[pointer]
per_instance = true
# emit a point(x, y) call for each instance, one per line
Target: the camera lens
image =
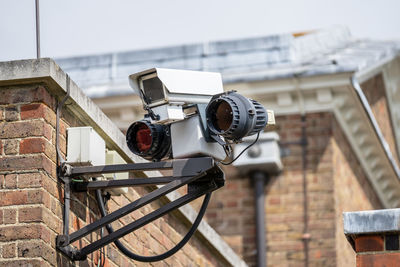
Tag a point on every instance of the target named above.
point(223, 116)
point(143, 137)
point(150, 141)
point(234, 116)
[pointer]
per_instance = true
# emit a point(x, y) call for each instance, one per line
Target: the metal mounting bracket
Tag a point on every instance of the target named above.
point(201, 175)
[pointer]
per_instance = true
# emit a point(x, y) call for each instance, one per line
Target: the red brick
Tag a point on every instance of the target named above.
point(10, 216)
point(19, 197)
point(36, 111)
point(29, 180)
point(274, 201)
point(11, 147)
point(11, 232)
point(113, 255)
point(232, 204)
point(21, 129)
point(51, 221)
point(28, 162)
point(11, 113)
point(52, 187)
point(32, 145)
point(30, 263)
point(10, 181)
point(369, 243)
point(378, 260)
point(26, 95)
point(9, 198)
point(37, 145)
point(48, 132)
point(37, 248)
point(30, 214)
point(36, 196)
point(9, 250)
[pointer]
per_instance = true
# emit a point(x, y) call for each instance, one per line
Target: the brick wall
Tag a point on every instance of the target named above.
point(333, 175)
point(31, 195)
point(377, 250)
point(352, 191)
point(374, 90)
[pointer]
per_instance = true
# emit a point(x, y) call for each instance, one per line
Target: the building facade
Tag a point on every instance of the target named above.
point(337, 106)
point(33, 196)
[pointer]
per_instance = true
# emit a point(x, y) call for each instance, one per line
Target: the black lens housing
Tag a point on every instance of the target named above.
point(234, 116)
point(160, 144)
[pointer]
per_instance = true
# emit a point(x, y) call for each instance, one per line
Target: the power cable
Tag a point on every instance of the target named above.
point(228, 163)
point(166, 254)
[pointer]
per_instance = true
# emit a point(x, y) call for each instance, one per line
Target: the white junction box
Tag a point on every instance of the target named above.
point(112, 157)
point(263, 156)
point(85, 147)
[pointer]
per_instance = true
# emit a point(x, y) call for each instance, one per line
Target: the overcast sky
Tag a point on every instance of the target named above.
point(81, 27)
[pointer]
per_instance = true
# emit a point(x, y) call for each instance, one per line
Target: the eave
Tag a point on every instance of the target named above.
point(335, 93)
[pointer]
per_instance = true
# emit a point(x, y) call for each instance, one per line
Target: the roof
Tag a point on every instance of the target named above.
point(325, 51)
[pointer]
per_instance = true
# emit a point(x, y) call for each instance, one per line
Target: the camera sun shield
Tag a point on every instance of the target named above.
point(160, 86)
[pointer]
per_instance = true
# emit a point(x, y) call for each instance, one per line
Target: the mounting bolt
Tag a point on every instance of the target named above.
point(62, 240)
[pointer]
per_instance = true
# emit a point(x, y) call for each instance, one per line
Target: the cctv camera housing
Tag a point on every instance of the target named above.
point(159, 86)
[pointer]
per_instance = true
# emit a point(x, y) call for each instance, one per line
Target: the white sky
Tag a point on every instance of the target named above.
point(81, 27)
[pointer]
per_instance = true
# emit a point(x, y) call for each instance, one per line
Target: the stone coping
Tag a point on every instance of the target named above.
point(47, 72)
point(371, 221)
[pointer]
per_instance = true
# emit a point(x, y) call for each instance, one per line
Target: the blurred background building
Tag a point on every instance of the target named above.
point(339, 94)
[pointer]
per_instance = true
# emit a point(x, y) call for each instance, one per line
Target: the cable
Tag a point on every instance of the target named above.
point(61, 160)
point(166, 254)
point(228, 163)
point(102, 253)
point(58, 111)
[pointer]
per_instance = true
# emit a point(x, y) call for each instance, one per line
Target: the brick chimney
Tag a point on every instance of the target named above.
point(374, 236)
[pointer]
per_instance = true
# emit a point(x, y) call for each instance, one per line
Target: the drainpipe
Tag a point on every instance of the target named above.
point(259, 163)
point(306, 235)
point(303, 142)
point(259, 179)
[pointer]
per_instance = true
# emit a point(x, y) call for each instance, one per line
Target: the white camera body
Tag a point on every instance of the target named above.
point(188, 141)
point(167, 91)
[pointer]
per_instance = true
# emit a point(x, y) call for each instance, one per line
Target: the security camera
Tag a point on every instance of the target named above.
point(189, 115)
point(166, 92)
point(148, 140)
point(234, 116)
